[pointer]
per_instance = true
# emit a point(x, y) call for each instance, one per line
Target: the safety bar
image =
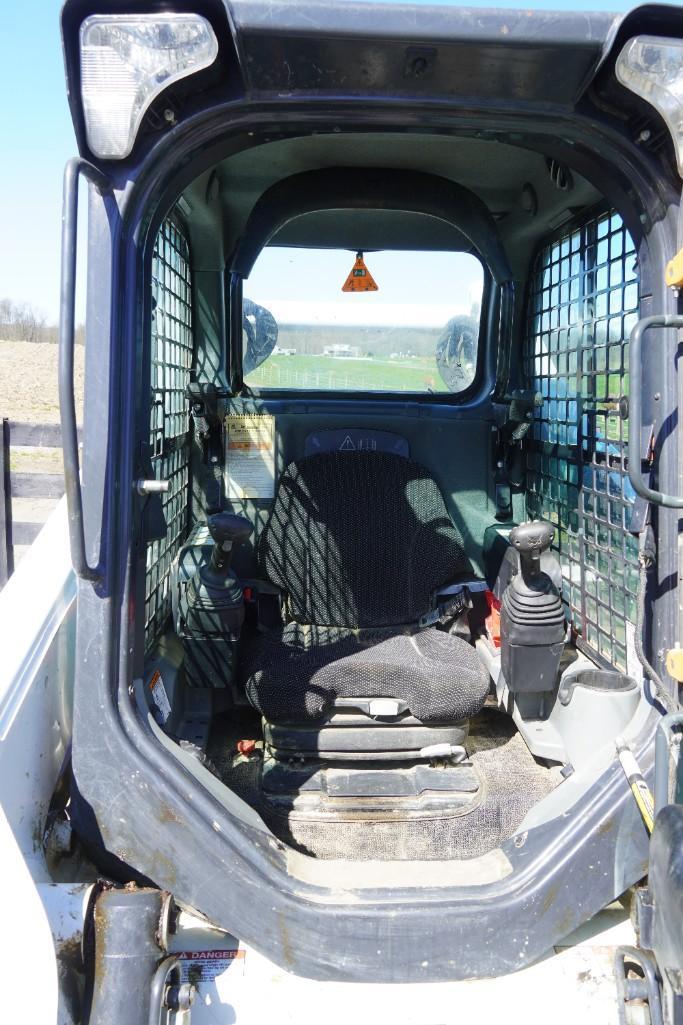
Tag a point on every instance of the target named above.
point(664, 740)
point(635, 470)
point(67, 319)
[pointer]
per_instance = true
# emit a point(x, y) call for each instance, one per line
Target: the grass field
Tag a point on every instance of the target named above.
point(315, 372)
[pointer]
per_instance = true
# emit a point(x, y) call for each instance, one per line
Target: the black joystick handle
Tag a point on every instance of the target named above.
point(531, 540)
point(228, 531)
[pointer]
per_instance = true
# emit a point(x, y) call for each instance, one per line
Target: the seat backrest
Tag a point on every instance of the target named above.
point(359, 539)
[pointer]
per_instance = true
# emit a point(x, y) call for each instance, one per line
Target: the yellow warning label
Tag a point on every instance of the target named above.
point(360, 279)
point(250, 455)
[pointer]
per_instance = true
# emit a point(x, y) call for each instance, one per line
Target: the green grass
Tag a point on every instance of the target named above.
point(316, 372)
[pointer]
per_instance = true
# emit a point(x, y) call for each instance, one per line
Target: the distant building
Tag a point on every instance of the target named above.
point(279, 351)
point(348, 351)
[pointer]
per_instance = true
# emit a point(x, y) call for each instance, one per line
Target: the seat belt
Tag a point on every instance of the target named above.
point(451, 602)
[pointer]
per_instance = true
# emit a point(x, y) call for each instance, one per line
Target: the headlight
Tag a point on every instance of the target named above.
point(652, 68)
point(126, 61)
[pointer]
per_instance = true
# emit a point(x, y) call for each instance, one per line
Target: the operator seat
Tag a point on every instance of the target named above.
point(359, 543)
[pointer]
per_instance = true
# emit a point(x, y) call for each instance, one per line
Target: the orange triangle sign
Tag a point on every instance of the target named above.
point(360, 279)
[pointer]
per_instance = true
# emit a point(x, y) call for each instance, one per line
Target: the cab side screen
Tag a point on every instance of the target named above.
point(583, 305)
point(172, 350)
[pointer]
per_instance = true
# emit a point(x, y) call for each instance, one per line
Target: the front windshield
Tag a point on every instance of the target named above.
point(418, 332)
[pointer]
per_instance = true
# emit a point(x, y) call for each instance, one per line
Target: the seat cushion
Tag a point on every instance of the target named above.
point(294, 674)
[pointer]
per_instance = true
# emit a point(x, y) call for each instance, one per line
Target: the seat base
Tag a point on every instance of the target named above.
point(375, 791)
point(356, 737)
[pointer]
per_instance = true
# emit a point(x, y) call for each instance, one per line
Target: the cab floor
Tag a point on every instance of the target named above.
point(513, 782)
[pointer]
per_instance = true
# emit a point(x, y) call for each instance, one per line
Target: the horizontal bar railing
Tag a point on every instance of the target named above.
point(24, 484)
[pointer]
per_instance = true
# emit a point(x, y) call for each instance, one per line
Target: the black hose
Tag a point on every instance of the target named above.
point(646, 558)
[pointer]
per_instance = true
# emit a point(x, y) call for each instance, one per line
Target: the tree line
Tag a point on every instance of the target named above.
point(23, 322)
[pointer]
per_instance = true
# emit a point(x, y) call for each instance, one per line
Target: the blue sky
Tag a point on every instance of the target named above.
point(38, 139)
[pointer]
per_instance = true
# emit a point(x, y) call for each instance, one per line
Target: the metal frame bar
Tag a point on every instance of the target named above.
point(6, 552)
point(663, 744)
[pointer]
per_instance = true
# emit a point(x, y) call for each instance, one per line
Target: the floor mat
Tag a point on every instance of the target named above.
point(513, 783)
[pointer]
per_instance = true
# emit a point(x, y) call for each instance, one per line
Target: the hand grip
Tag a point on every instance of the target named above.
point(531, 539)
point(635, 471)
point(225, 526)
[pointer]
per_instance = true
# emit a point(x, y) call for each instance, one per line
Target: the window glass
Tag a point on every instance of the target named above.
point(418, 332)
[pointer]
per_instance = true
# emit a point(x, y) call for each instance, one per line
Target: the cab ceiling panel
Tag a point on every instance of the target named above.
point(494, 171)
point(289, 47)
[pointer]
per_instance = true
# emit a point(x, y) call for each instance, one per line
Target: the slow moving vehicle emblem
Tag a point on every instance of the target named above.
point(360, 279)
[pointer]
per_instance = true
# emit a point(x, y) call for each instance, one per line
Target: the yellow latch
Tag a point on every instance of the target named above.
point(674, 663)
point(674, 271)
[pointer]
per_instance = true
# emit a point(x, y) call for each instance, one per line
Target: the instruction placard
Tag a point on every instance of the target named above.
point(250, 455)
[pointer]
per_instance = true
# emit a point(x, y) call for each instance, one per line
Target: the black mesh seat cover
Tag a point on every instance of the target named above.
point(359, 539)
point(360, 542)
point(293, 675)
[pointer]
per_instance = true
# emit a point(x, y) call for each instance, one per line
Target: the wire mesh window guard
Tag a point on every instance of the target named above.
point(171, 361)
point(583, 305)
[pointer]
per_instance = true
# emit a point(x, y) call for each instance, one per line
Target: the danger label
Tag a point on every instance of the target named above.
point(202, 965)
point(250, 455)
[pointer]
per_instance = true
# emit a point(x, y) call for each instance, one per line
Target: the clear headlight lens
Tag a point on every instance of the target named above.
point(126, 61)
point(652, 67)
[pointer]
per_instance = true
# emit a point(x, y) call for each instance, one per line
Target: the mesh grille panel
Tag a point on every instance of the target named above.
point(583, 305)
point(169, 415)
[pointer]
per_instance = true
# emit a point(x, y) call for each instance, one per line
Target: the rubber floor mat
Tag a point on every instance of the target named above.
point(513, 783)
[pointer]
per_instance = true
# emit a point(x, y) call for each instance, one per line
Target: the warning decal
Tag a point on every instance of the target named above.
point(360, 279)
point(250, 455)
point(202, 965)
point(159, 696)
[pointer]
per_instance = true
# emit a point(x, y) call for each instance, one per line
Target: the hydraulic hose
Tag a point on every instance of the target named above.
point(646, 560)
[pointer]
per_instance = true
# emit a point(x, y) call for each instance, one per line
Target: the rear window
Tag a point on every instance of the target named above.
point(418, 332)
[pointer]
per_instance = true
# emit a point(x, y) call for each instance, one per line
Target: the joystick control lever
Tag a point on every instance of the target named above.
point(211, 605)
point(532, 623)
point(531, 540)
point(228, 531)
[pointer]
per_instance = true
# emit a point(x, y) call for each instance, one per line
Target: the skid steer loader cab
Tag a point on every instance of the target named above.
point(377, 513)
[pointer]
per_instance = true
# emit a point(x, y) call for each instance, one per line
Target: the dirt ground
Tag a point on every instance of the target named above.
point(28, 381)
point(28, 394)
